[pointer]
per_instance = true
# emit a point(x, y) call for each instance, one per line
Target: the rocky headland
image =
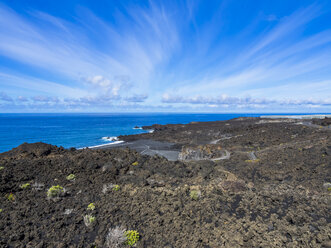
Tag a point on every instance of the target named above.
point(246, 182)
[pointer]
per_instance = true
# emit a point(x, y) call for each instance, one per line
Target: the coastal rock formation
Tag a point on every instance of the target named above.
point(272, 191)
point(323, 122)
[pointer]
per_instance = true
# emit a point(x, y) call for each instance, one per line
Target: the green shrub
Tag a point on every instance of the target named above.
point(89, 219)
point(25, 186)
point(135, 163)
point(11, 197)
point(132, 237)
point(252, 160)
point(55, 191)
point(71, 177)
point(195, 194)
point(91, 206)
point(116, 187)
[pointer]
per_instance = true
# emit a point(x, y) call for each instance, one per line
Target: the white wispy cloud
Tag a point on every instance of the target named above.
point(274, 60)
point(33, 86)
point(64, 48)
point(137, 98)
point(5, 98)
point(245, 101)
point(160, 53)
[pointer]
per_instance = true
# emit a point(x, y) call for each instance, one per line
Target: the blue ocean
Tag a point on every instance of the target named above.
point(86, 130)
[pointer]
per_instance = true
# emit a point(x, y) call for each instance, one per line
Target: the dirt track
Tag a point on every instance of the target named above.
point(272, 191)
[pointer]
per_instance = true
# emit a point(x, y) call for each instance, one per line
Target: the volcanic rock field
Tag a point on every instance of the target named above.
point(246, 182)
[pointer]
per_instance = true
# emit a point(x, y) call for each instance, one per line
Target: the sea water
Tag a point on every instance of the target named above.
point(87, 130)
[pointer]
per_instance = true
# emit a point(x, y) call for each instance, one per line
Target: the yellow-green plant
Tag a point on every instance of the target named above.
point(135, 163)
point(55, 191)
point(132, 237)
point(116, 187)
point(329, 189)
point(91, 206)
point(195, 194)
point(25, 186)
point(252, 160)
point(89, 219)
point(1, 167)
point(1, 210)
point(11, 197)
point(71, 177)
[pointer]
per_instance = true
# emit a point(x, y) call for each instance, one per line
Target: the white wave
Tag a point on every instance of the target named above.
point(137, 128)
point(108, 144)
point(107, 138)
point(151, 131)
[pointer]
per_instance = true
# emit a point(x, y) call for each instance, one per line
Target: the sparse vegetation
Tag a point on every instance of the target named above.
point(132, 237)
point(11, 197)
point(55, 191)
point(195, 194)
point(135, 163)
point(252, 160)
point(89, 220)
point(116, 237)
point(71, 177)
point(116, 187)
point(107, 187)
point(91, 206)
point(25, 186)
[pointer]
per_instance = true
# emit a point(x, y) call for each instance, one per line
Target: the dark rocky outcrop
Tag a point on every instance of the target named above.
point(273, 191)
point(323, 122)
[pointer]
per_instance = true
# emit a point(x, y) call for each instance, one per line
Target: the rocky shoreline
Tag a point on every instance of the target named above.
point(246, 182)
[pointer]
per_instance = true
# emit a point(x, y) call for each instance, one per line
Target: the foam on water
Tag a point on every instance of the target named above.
point(108, 138)
point(112, 143)
point(138, 128)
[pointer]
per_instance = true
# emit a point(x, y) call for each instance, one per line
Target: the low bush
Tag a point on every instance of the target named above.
point(89, 220)
point(91, 206)
point(110, 186)
point(25, 186)
point(116, 187)
point(195, 194)
point(11, 197)
point(252, 160)
point(55, 191)
point(71, 177)
point(132, 237)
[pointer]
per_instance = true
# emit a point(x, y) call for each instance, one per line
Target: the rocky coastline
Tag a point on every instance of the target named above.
point(246, 182)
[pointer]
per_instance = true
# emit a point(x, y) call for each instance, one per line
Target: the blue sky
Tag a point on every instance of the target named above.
point(165, 56)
